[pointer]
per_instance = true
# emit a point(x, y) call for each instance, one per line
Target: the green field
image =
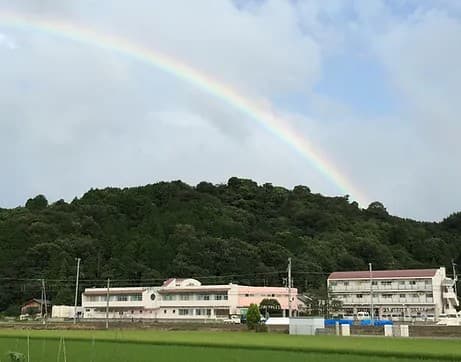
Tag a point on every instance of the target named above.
point(130, 345)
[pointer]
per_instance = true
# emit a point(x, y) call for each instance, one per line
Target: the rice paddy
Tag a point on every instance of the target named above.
point(147, 345)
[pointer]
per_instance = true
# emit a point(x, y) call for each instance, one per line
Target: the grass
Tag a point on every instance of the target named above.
point(139, 345)
point(44, 350)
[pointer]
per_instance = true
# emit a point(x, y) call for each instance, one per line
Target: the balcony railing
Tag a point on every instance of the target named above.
point(387, 301)
point(366, 288)
point(449, 295)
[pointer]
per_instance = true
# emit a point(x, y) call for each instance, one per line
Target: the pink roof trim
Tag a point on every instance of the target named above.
point(384, 274)
point(101, 291)
point(170, 280)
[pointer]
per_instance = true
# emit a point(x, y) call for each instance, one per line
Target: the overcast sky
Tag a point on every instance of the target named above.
point(372, 84)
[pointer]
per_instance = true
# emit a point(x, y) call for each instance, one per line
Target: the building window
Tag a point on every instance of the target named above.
point(152, 296)
point(220, 297)
point(221, 312)
point(402, 296)
point(429, 295)
point(203, 312)
point(386, 282)
point(183, 311)
point(184, 297)
point(387, 296)
point(415, 295)
point(169, 297)
point(374, 282)
point(346, 283)
point(203, 297)
point(359, 295)
point(164, 311)
point(136, 297)
point(122, 298)
point(333, 284)
point(412, 282)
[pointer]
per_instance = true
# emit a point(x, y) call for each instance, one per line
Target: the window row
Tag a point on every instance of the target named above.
point(386, 296)
point(115, 298)
point(198, 312)
point(426, 282)
point(190, 296)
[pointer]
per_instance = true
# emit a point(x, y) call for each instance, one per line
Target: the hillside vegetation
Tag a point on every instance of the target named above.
point(235, 232)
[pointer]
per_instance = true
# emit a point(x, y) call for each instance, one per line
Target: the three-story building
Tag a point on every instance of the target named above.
point(396, 294)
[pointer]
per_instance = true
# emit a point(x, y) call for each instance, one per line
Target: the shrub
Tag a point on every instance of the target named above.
point(253, 316)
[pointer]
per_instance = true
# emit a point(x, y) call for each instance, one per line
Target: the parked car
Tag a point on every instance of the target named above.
point(233, 319)
point(449, 320)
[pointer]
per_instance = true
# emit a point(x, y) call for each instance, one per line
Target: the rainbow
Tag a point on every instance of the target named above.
point(262, 114)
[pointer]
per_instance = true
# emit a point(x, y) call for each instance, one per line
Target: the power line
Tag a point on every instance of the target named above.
point(73, 281)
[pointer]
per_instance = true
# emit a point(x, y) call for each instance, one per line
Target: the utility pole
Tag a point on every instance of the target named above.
point(76, 290)
point(289, 287)
point(107, 304)
point(455, 277)
point(41, 300)
point(372, 311)
point(44, 301)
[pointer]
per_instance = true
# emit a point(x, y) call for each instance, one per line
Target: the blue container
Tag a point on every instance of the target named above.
point(376, 322)
point(332, 322)
point(384, 322)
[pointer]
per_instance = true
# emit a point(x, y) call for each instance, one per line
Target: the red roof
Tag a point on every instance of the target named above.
point(385, 274)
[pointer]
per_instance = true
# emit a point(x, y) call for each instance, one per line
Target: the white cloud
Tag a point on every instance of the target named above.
point(75, 116)
point(422, 56)
point(81, 117)
point(7, 42)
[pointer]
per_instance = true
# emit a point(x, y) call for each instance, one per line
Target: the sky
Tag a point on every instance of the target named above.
point(371, 85)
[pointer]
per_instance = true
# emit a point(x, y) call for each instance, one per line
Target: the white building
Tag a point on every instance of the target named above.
point(65, 312)
point(180, 299)
point(397, 294)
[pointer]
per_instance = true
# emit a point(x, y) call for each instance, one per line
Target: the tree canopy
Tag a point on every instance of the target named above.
point(237, 232)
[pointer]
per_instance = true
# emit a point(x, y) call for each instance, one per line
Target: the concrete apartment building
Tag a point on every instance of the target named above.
point(397, 294)
point(179, 299)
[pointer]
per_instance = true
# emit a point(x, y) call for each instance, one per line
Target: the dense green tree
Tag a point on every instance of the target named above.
point(236, 232)
point(37, 203)
point(253, 317)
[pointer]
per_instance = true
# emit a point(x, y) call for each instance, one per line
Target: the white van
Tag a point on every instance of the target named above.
point(363, 315)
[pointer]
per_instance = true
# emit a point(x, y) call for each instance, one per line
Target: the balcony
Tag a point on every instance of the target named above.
point(449, 295)
point(386, 301)
point(194, 303)
point(378, 288)
point(103, 304)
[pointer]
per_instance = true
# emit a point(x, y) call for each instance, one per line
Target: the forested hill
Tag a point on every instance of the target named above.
point(238, 232)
